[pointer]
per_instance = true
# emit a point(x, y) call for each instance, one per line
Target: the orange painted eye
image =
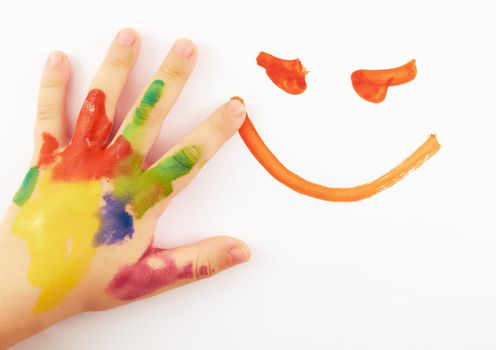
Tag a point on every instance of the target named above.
point(289, 75)
point(372, 85)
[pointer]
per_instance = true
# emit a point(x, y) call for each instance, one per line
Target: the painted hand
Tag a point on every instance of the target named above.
point(79, 234)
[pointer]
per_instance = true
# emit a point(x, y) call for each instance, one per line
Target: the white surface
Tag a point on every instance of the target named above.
point(412, 268)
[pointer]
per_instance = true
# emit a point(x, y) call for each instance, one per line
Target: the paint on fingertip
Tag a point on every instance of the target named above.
point(236, 108)
point(239, 99)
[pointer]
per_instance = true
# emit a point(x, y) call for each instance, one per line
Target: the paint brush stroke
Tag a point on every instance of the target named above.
point(289, 75)
point(58, 225)
point(143, 189)
point(269, 161)
point(372, 85)
point(134, 132)
point(154, 270)
point(116, 224)
point(27, 186)
point(47, 156)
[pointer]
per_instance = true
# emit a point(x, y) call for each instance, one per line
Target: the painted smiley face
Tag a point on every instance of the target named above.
point(371, 85)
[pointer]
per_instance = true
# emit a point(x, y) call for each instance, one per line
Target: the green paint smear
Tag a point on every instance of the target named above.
point(143, 189)
point(27, 187)
point(134, 131)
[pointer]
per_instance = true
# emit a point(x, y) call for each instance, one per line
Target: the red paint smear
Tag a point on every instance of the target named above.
point(203, 271)
point(372, 85)
point(289, 75)
point(139, 280)
point(87, 156)
point(48, 148)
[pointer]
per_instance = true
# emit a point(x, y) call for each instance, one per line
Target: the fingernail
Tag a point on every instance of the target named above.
point(236, 108)
point(54, 59)
point(238, 255)
point(183, 47)
point(126, 37)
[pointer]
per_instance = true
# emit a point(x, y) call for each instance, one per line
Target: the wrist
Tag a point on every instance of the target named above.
point(17, 297)
point(14, 327)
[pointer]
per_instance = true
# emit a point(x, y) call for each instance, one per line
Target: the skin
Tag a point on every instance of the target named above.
point(78, 234)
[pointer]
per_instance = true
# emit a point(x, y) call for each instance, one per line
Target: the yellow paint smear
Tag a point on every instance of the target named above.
point(58, 224)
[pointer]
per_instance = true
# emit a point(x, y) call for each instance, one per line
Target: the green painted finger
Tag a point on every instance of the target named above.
point(134, 131)
point(144, 189)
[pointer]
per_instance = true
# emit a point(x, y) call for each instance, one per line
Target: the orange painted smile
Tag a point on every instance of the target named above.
point(371, 85)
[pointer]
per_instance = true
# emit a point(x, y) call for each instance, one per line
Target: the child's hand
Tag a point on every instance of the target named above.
point(79, 233)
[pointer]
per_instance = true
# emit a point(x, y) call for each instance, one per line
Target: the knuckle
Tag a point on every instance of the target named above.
point(172, 73)
point(116, 62)
point(46, 111)
point(204, 267)
point(140, 117)
point(48, 85)
point(220, 125)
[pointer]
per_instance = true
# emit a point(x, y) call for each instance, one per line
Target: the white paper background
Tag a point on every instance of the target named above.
point(412, 268)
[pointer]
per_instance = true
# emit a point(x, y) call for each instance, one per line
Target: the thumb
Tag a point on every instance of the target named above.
point(160, 269)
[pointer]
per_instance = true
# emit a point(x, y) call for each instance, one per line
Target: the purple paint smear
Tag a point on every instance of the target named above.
point(116, 224)
point(138, 280)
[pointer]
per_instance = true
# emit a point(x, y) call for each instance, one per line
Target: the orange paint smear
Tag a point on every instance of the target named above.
point(289, 75)
point(372, 85)
point(267, 159)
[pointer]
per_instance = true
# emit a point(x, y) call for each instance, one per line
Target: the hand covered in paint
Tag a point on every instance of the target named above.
point(79, 233)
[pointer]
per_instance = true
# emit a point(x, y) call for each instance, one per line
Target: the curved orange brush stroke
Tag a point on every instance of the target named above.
point(289, 75)
point(372, 85)
point(269, 161)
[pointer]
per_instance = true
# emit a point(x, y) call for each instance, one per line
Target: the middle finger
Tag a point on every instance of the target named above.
point(142, 125)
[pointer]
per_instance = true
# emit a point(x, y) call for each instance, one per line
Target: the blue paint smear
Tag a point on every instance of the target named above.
point(116, 224)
